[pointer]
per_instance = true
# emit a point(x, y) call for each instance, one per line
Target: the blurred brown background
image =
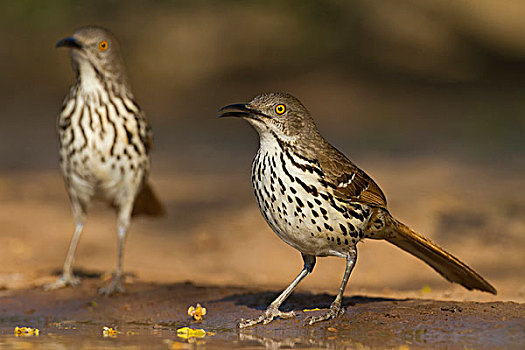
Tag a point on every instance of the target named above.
point(426, 96)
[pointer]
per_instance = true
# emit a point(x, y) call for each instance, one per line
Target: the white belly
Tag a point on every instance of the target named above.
point(97, 157)
point(304, 220)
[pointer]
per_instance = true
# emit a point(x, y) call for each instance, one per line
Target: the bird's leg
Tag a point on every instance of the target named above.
point(273, 310)
point(335, 308)
point(67, 278)
point(78, 206)
point(115, 286)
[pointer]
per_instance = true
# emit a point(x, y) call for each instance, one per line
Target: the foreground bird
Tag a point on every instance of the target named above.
point(320, 203)
point(105, 142)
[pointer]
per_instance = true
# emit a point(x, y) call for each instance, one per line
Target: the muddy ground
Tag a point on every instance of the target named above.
point(149, 314)
point(214, 248)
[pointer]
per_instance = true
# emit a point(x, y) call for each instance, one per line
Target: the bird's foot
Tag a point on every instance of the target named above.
point(335, 311)
point(114, 287)
point(267, 317)
point(63, 281)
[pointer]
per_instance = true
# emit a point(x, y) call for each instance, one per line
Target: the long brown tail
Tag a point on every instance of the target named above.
point(444, 263)
point(147, 203)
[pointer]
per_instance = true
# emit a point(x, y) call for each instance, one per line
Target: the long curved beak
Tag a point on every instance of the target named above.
point(69, 42)
point(241, 110)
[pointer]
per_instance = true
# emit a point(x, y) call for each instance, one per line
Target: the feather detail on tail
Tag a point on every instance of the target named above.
point(444, 263)
point(147, 203)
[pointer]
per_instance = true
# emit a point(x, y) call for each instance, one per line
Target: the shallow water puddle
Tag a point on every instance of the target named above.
point(60, 335)
point(91, 335)
point(155, 316)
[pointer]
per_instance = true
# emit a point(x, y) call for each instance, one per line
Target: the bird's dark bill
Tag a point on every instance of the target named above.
point(69, 42)
point(239, 110)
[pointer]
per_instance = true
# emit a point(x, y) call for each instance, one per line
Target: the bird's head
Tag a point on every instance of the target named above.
point(95, 48)
point(276, 113)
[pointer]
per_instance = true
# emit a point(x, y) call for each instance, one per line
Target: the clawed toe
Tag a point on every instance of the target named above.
point(114, 287)
point(271, 313)
point(286, 315)
point(334, 312)
point(61, 282)
point(268, 316)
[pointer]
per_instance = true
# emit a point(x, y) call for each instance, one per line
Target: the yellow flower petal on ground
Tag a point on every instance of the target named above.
point(426, 289)
point(26, 331)
point(197, 312)
point(109, 332)
point(187, 333)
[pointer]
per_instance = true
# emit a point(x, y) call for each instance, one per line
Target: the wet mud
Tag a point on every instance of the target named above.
point(215, 237)
point(149, 314)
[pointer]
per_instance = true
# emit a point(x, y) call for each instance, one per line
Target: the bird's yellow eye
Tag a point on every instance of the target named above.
point(103, 46)
point(280, 109)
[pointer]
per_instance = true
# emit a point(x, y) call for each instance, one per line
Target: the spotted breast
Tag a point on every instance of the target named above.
point(299, 205)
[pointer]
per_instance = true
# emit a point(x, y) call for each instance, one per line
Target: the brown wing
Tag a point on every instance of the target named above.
point(348, 181)
point(145, 131)
point(144, 128)
point(147, 138)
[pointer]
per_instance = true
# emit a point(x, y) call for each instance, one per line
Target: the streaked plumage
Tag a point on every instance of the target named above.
point(319, 202)
point(105, 141)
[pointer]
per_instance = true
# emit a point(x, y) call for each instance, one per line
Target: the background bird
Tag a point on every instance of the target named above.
point(105, 141)
point(316, 200)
